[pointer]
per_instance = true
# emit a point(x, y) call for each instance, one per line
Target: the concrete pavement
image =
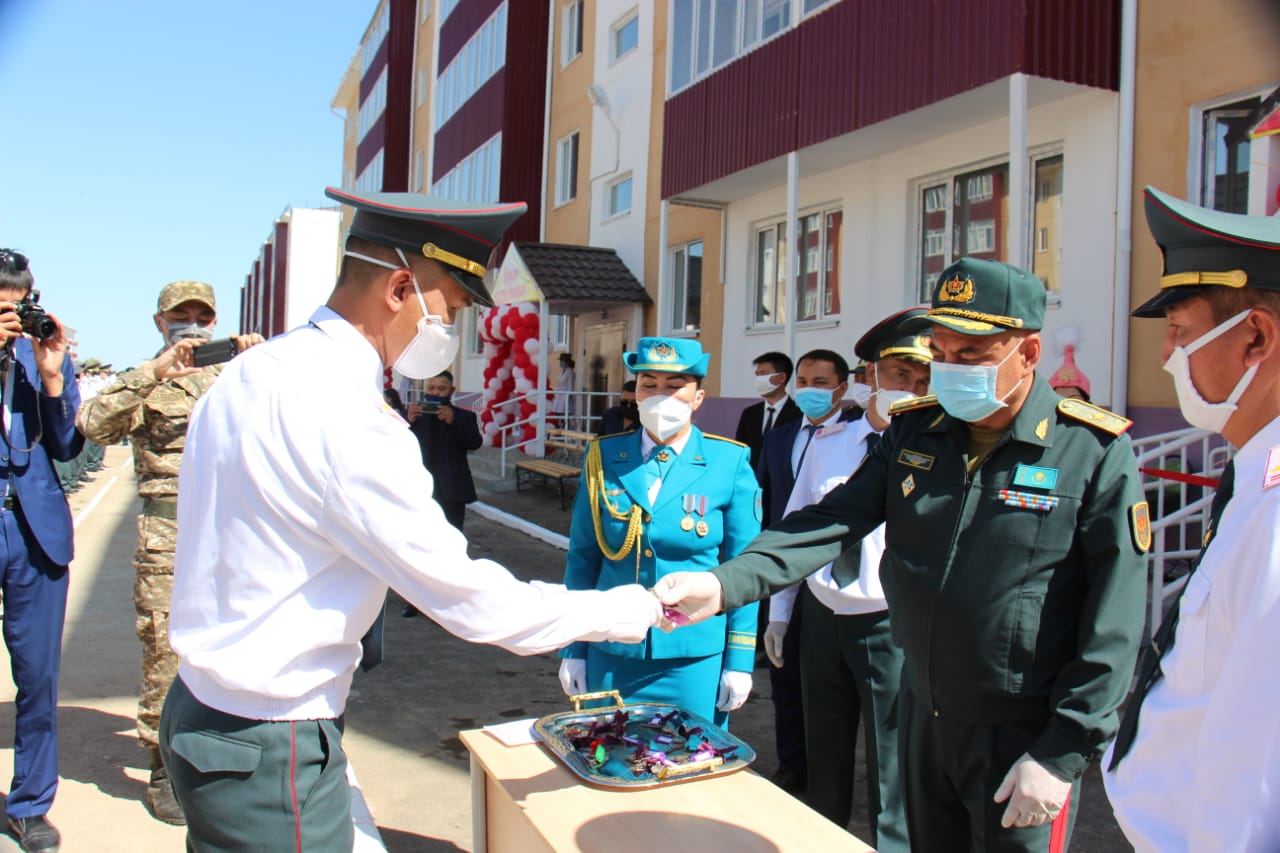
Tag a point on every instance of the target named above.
point(403, 718)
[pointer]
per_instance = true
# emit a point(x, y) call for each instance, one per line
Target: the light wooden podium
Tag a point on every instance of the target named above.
point(524, 801)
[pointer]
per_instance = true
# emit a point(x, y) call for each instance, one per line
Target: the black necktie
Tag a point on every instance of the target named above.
point(768, 419)
point(845, 569)
point(1149, 672)
point(809, 429)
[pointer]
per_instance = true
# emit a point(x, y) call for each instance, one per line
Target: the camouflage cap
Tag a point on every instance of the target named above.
point(91, 363)
point(177, 292)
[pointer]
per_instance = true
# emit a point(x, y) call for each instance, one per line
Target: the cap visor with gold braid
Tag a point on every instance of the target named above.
point(1205, 248)
point(458, 235)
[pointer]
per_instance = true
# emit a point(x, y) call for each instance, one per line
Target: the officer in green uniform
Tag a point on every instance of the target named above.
point(1015, 528)
point(665, 498)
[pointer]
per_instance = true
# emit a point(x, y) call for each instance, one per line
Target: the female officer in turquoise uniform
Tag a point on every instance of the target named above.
point(662, 499)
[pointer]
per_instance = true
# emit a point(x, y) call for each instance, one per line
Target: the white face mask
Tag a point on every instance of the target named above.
point(1195, 409)
point(434, 345)
point(767, 383)
point(885, 399)
point(860, 394)
point(665, 416)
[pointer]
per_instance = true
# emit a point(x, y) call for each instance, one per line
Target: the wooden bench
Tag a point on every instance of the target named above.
point(563, 462)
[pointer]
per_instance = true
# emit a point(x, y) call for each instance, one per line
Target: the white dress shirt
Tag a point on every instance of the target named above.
point(834, 454)
point(301, 500)
point(1203, 772)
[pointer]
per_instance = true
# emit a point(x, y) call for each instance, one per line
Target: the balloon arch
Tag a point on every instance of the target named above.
point(513, 354)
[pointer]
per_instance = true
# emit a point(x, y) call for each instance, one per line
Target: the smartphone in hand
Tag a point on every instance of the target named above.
point(214, 352)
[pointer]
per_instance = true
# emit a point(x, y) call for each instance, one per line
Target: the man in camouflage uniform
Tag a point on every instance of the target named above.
point(151, 404)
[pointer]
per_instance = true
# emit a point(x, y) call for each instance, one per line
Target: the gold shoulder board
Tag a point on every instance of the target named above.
point(1094, 416)
point(722, 438)
point(925, 402)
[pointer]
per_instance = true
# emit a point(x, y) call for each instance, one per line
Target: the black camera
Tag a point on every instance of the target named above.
point(35, 321)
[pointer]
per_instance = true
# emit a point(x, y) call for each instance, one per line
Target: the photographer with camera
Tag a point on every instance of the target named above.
point(38, 424)
point(151, 404)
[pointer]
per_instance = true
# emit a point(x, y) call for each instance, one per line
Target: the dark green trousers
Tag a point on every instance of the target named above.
point(951, 769)
point(849, 673)
point(249, 785)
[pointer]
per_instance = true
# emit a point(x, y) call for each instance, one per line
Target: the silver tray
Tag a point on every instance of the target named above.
point(580, 739)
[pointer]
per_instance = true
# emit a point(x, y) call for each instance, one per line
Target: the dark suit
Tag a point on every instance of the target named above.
point(444, 452)
point(751, 426)
point(611, 422)
point(776, 481)
point(37, 546)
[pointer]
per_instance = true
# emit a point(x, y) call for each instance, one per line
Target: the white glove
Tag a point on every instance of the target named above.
point(698, 595)
point(629, 612)
point(735, 687)
point(1034, 793)
point(774, 634)
point(573, 676)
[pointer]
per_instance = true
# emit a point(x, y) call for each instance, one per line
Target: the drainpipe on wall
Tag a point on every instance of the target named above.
point(546, 134)
point(1018, 170)
point(1124, 208)
point(793, 254)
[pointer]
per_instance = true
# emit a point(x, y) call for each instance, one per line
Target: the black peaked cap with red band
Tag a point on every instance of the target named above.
point(459, 235)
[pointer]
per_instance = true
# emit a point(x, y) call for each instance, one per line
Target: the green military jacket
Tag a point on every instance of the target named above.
point(1015, 593)
point(154, 415)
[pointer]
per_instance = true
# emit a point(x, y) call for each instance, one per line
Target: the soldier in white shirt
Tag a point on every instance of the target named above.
point(849, 664)
point(298, 510)
point(1196, 762)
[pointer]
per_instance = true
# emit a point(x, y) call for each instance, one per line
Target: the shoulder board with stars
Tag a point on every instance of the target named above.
point(722, 438)
point(925, 402)
point(1094, 416)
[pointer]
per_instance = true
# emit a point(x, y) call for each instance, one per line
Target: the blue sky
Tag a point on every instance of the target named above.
point(153, 140)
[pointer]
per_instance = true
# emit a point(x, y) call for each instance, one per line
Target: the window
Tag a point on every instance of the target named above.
point(424, 8)
point(706, 34)
point(374, 104)
point(570, 32)
point(1225, 183)
point(771, 275)
point(814, 5)
point(619, 198)
point(567, 169)
point(817, 248)
point(1046, 262)
point(476, 177)
point(558, 331)
point(377, 33)
point(686, 287)
point(370, 180)
point(968, 214)
point(480, 58)
point(418, 159)
point(626, 37)
point(423, 82)
point(446, 8)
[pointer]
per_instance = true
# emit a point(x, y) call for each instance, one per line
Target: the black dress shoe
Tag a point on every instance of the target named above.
point(35, 834)
point(792, 781)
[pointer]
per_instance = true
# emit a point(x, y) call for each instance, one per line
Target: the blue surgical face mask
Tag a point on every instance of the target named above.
point(815, 402)
point(968, 391)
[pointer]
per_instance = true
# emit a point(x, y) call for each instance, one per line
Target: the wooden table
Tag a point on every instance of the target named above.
point(523, 801)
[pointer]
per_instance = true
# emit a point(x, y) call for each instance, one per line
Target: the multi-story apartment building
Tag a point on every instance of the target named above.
point(688, 136)
point(293, 272)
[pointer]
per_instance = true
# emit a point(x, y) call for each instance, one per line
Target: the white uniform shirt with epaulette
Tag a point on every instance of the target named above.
point(1203, 772)
point(303, 498)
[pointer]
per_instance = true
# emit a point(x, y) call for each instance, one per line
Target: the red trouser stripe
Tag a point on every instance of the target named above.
point(1057, 830)
point(293, 786)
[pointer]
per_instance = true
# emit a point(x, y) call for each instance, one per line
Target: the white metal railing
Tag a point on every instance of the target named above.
point(1179, 510)
point(577, 415)
point(507, 430)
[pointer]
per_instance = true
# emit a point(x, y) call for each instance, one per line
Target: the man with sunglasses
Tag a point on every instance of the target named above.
point(38, 425)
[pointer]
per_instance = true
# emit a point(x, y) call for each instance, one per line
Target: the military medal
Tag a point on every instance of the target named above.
point(686, 523)
point(702, 529)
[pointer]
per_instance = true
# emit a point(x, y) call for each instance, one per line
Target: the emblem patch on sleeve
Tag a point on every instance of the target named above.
point(916, 459)
point(1140, 524)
